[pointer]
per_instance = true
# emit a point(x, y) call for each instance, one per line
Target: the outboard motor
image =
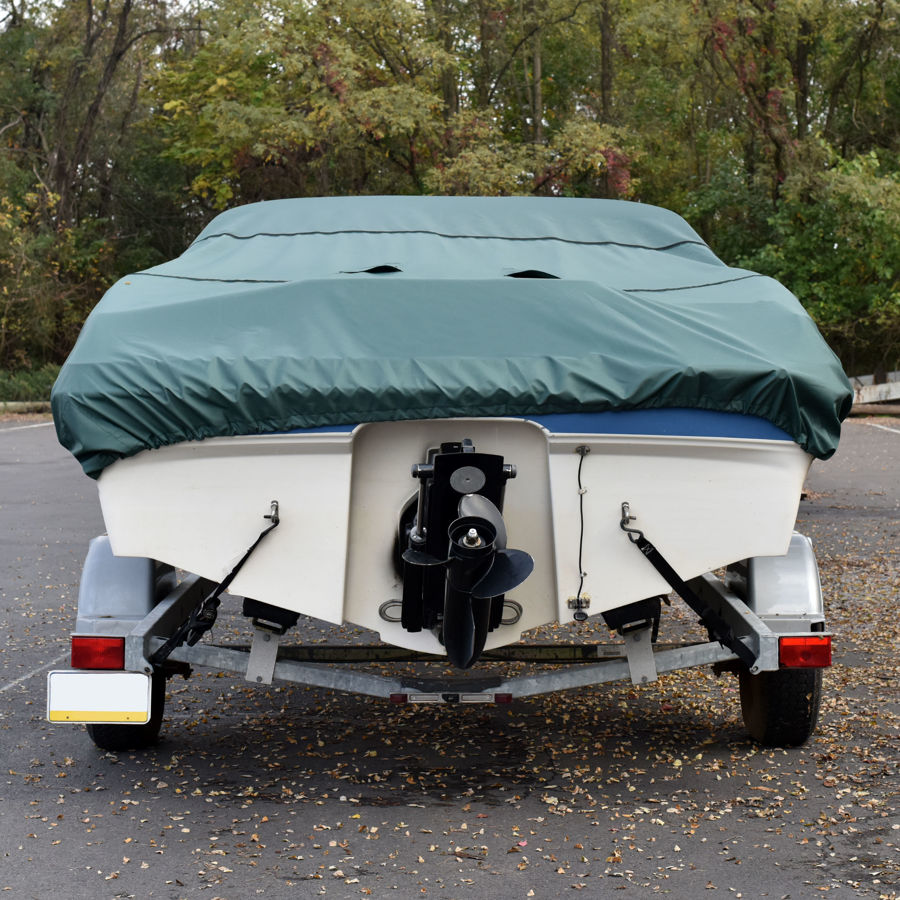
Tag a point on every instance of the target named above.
point(454, 561)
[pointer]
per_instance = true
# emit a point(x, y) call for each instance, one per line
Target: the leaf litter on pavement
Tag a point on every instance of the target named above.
point(629, 787)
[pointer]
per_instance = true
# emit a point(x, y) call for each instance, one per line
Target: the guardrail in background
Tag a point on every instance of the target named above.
point(864, 391)
point(25, 406)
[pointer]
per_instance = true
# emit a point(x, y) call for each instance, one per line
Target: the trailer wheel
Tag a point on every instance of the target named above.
point(781, 708)
point(134, 737)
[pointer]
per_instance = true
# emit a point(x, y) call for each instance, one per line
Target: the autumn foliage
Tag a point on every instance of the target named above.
point(772, 125)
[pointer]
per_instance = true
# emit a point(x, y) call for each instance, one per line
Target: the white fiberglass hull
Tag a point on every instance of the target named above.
point(704, 501)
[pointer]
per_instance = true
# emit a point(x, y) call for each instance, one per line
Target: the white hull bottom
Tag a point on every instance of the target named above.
point(704, 502)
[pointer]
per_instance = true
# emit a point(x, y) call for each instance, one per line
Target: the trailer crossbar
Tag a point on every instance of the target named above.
point(431, 690)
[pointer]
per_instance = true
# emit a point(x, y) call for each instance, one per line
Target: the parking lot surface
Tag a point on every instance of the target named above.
point(294, 792)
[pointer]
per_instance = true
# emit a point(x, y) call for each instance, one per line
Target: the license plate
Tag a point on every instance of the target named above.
point(98, 697)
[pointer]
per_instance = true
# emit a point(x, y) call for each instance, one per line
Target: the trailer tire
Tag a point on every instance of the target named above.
point(781, 708)
point(134, 737)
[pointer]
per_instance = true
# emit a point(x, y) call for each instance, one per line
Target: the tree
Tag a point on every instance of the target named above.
point(353, 96)
point(125, 126)
point(71, 75)
point(836, 244)
point(298, 99)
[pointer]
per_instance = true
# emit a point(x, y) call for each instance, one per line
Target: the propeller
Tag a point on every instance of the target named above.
point(510, 567)
point(479, 568)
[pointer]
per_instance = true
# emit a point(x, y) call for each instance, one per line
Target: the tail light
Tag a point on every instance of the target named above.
point(89, 652)
point(804, 652)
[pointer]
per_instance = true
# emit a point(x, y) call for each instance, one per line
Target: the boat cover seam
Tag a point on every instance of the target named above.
point(478, 237)
point(222, 280)
point(689, 287)
point(686, 287)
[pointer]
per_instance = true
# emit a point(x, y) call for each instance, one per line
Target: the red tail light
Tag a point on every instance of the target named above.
point(805, 652)
point(98, 652)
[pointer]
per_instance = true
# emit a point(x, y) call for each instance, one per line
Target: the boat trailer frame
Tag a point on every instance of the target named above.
point(635, 658)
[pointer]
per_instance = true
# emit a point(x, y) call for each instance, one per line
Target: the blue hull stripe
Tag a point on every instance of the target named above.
point(670, 422)
point(680, 422)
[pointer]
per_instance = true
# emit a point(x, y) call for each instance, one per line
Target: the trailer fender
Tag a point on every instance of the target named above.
point(117, 591)
point(785, 591)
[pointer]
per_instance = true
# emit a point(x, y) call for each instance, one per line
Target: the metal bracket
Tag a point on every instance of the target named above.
point(390, 610)
point(639, 650)
point(747, 628)
point(515, 612)
point(161, 621)
point(634, 534)
point(263, 654)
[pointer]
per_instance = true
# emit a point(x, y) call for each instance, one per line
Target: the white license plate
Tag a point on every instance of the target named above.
point(96, 697)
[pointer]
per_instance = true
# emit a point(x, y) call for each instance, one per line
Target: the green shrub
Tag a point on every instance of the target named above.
point(27, 384)
point(836, 245)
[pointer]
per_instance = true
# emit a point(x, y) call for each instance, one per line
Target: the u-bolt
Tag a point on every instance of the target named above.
point(634, 534)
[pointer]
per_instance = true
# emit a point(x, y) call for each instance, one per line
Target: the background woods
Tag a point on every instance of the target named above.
point(772, 125)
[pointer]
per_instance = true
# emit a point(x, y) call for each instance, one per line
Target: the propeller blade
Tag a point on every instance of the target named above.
point(477, 505)
point(510, 569)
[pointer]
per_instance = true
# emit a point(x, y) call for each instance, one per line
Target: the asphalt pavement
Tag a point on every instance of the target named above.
point(294, 792)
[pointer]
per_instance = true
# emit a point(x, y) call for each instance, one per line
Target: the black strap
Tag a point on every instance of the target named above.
point(719, 630)
point(203, 616)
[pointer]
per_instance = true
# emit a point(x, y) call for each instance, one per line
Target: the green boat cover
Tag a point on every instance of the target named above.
point(332, 311)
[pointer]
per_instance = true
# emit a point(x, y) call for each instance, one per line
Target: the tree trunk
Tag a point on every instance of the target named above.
point(606, 64)
point(800, 67)
point(70, 157)
point(537, 110)
point(440, 14)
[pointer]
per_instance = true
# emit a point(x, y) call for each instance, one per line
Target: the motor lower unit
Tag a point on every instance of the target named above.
point(452, 553)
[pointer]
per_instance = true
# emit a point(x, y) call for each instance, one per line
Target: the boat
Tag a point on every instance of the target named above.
point(447, 419)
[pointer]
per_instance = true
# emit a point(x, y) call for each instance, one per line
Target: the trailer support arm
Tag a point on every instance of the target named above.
point(718, 628)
